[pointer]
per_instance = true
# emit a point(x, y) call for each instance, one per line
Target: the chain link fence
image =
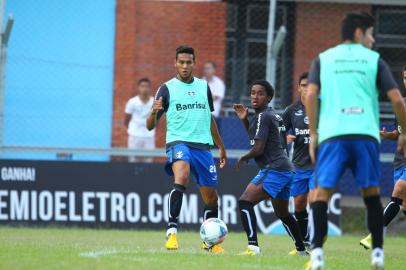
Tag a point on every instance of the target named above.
point(61, 89)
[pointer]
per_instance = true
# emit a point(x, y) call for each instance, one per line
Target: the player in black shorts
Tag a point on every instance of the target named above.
point(297, 125)
point(268, 141)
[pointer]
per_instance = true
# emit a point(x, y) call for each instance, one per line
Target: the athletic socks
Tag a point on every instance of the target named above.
point(249, 221)
point(391, 210)
point(319, 215)
point(175, 204)
point(375, 219)
point(302, 221)
point(310, 227)
point(293, 230)
point(210, 212)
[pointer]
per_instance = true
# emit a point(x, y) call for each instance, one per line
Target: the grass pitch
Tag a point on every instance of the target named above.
point(48, 248)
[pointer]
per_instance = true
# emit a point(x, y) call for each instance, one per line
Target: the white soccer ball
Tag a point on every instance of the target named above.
point(213, 231)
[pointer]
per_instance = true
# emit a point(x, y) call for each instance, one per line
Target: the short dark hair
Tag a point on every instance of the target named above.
point(212, 63)
point(185, 49)
point(404, 68)
point(268, 87)
point(355, 20)
point(303, 76)
point(145, 79)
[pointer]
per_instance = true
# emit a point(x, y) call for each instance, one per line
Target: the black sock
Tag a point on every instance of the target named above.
point(302, 221)
point(375, 219)
point(404, 212)
point(249, 221)
point(391, 210)
point(210, 212)
point(292, 227)
point(319, 213)
point(175, 204)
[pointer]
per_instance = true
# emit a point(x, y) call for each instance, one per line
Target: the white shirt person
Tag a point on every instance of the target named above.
point(217, 87)
point(137, 110)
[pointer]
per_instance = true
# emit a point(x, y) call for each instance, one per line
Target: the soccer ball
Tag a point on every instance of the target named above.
point(213, 231)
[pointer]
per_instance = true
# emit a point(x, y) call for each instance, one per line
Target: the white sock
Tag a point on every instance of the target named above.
point(316, 254)
point(254, 248)
point(377, 252)
point(171, 231)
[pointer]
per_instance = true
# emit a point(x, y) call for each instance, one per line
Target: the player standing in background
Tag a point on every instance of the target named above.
point(217, 86)
point(136, 112)
point(399, 178)
point(190, 131)
point(346, 131)
point(296, 121)
point(268, 141)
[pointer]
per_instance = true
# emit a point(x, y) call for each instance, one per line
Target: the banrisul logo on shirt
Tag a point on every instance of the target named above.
point(190, 106)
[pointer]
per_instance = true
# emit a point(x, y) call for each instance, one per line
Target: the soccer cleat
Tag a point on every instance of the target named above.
point(293, 252)
point(377, 259)
point(314, 265)
point(296, 252)
point(251, 251)
point(205, 246)
point(217, 249)
point(366, 242)
point(172, 242)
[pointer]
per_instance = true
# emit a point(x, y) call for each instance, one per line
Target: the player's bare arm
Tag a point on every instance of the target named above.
point(152, 117)
point(312, 109)
point(242, 113)
point(255, 151)
point(400, 111)
point(219, 142)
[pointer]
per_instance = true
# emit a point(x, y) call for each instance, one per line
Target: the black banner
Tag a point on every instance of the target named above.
point(120, 195)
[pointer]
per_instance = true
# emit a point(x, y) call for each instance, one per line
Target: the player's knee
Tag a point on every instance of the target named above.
point(300, 206)
point(211, 199)
point(245, 197)
point(182, 179)
point(300, 203)
point(400, 189)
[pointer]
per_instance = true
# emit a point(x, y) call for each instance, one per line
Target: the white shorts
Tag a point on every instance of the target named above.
point(141, 143)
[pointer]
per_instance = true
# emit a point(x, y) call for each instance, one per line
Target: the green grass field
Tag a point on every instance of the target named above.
point(48, 248)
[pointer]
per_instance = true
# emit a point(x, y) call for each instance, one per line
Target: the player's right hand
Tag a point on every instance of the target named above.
point(157, 105)
point(241, 111)
point(402, 143)
point(384, 134)
point(290, 138)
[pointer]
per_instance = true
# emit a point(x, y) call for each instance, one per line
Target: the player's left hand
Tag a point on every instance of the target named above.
point(223, 157)
point(314, 138)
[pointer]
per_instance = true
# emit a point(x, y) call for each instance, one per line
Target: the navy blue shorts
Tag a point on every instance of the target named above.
point(361, 156)
point(302, 182)
point(399, 174)
point(201, 163)
point(275, 183)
